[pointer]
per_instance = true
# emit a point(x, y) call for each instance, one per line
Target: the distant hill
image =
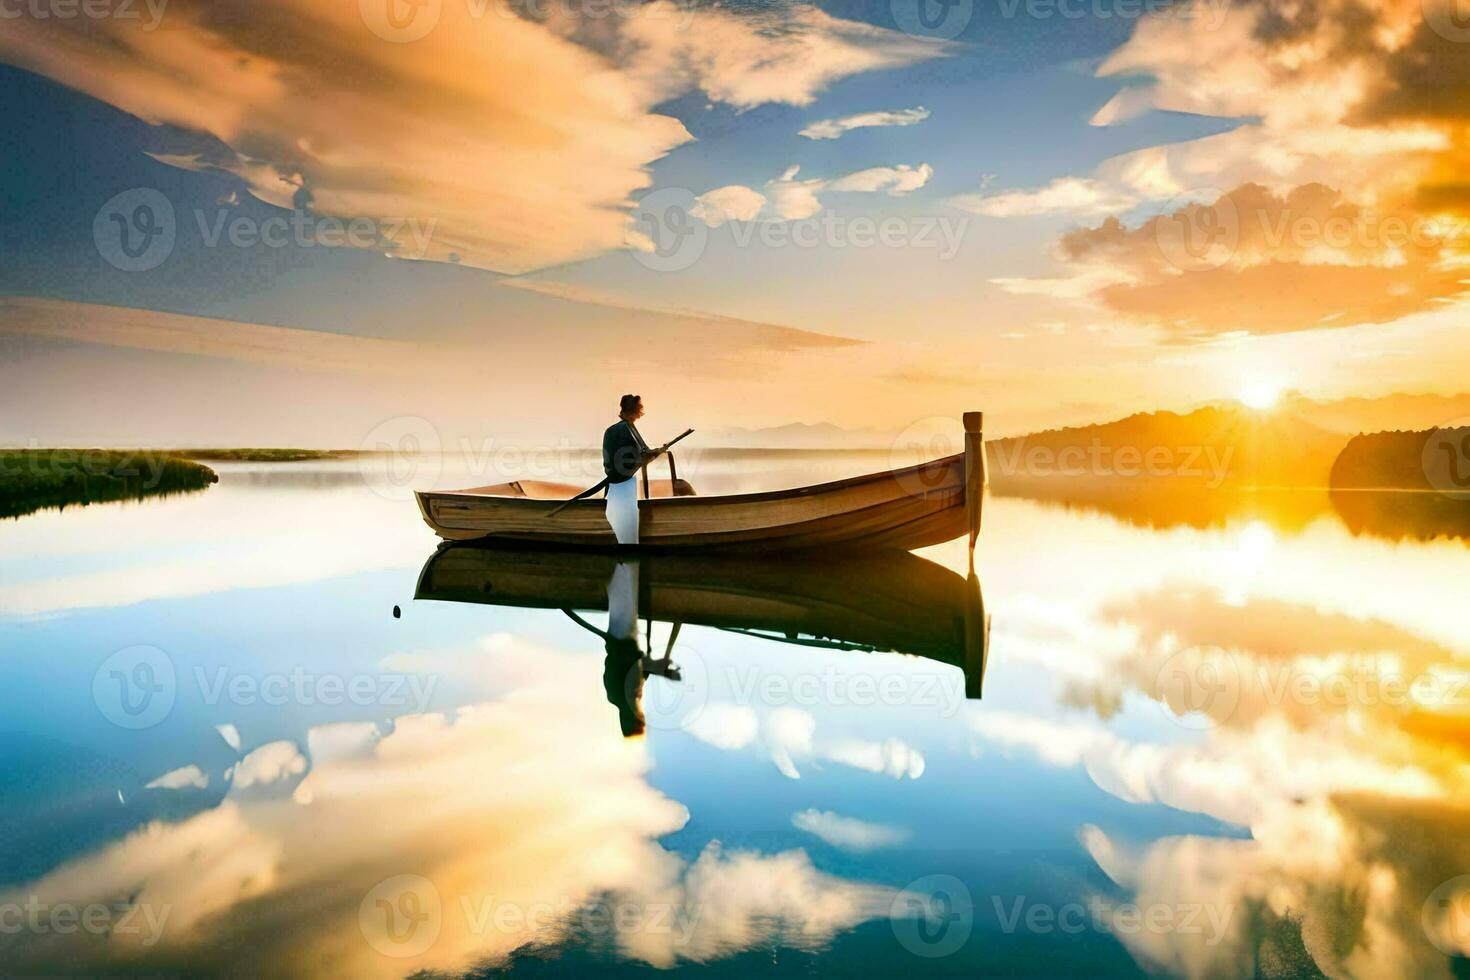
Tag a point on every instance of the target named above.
point(1392, 412)
point(1437, 459)
point(1215, 446)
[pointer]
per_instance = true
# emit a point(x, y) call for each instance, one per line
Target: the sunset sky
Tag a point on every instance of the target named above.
point(500, 217)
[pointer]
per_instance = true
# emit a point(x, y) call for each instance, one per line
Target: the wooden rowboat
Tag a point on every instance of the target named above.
point(897, 510)
point(867, 603)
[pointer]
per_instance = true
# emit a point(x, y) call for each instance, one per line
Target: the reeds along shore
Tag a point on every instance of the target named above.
point(37, 479)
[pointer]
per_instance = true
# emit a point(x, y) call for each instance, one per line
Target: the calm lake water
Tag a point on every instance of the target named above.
point(1223, 737)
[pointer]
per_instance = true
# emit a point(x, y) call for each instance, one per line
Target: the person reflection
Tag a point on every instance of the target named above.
point(626, 665)
point(622, 673)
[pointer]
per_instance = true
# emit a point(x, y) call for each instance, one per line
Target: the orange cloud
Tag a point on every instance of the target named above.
point(328, 106)
point(1252, 261)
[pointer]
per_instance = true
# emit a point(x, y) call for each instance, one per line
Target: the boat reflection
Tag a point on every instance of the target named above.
point(894, 602)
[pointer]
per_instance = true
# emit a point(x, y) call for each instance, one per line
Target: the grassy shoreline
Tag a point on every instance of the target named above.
point(262, 455)
point(41, 479)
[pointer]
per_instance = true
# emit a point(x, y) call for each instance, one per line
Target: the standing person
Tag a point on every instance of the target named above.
point(623, 454)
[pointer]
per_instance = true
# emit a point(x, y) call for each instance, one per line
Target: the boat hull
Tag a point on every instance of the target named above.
point(899, 509)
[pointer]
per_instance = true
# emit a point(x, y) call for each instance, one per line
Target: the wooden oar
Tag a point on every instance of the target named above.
point(593, 489)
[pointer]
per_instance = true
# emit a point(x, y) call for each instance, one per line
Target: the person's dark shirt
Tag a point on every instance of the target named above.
point(622, 679)
point(623, 450)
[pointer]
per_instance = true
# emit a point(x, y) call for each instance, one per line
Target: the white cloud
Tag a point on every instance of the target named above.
point(785, 53)
point(831, 129)
point(185, 778)
point(725, 726)
point(1129, 103)
point(891, 757)
point(733, 202)
point(1065, 195)
point(230, 734)
point(848, 832)
point(791, 199)
point(894, 181)
point(788, 733)
point(269, 763)
point(580, 830)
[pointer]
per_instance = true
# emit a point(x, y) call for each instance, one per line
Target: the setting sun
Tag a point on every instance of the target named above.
point(1260, 394)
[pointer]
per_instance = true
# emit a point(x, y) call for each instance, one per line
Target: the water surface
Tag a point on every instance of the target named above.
point(1227, 736)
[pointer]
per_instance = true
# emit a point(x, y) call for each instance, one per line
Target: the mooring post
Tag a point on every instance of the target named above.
point(975, 471)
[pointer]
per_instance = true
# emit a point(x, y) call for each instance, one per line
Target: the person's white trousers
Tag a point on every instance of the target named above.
point(622, 510)
point(622, 602)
